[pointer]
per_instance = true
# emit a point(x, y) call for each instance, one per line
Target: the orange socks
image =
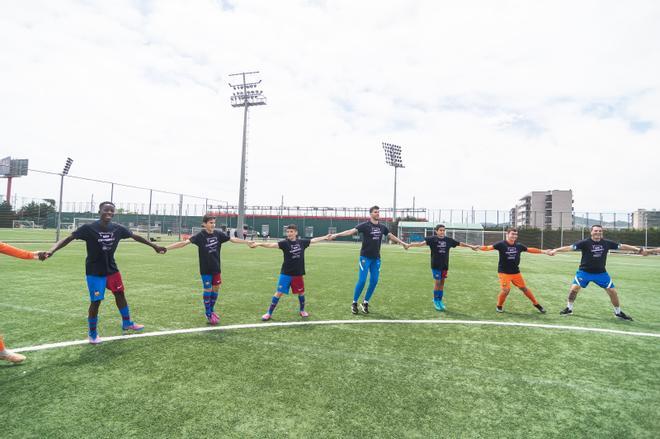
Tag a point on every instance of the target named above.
point(501, 298)
point(2, 344)
point(530, 296)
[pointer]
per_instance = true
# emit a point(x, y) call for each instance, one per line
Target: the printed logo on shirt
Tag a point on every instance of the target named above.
point(442, 247)
point(212, 244)
point(511, 253)
point(376, 233)
point(597, 250)
point(106, 240)
point(295, 250)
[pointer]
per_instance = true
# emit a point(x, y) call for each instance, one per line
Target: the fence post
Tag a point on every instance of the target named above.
point(542, 237)
point(151, 193)
point(561, 234)
point(180, 213)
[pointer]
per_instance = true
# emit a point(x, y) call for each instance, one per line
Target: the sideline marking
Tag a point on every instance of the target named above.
point(335, 322)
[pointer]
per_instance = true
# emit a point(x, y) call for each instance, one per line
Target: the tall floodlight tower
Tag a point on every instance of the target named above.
point(65, 171)
point(246, 94)
point(393, 158)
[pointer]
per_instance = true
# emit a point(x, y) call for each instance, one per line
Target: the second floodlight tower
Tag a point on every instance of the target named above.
point(393, 158)
point(246, 94)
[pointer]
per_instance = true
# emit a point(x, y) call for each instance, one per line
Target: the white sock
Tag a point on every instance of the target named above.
point(617, 310)
point(570, 306)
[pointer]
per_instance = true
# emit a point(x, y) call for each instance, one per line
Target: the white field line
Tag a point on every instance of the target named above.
point(337, 322)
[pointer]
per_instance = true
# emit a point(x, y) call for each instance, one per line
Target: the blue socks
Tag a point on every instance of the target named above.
point(91, 322)
point(437, 294)
point(207, 303)
point(301, 299)
point(214, 298)
point(273, 304)
point(125, 317)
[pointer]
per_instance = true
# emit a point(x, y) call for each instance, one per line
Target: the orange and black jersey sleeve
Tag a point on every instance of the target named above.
point(15, 252)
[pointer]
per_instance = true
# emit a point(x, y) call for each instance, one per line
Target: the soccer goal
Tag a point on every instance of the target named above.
point(77, 222)
point(23, 224)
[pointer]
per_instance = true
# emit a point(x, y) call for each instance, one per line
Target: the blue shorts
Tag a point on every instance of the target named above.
point(603, 280)
point(439, 274)
point(98, 284)
point(295, 283)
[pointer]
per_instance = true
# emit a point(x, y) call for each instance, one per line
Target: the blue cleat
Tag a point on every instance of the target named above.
point(438, 304)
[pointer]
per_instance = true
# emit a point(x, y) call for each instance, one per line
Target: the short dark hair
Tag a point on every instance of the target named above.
point(372, 208)
point(511, 229)
point(208, 217)
point(106, 202)
point(596, 225)
point(439, 226)
point(292, 227)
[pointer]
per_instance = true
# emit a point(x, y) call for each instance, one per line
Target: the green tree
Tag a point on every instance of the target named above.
point(7, 215)
point(37, 212)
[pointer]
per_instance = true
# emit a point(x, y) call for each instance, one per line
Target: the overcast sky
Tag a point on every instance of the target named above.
point(489, 99)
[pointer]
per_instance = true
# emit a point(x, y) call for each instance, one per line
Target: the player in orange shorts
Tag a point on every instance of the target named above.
point(6, 354)
point(508, 267)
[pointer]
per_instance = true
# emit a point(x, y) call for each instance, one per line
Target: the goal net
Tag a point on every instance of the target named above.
point(23, 224)
point(77, 222)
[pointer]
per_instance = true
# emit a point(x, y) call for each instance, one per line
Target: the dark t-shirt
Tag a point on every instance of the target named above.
point(509, 256)
point(101, 245)
point(208, 248)
point(594, 254)
point(372, 236)
point(440, 251)
point(294, 256)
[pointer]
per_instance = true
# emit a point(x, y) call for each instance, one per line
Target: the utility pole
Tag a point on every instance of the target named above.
point(245, 95)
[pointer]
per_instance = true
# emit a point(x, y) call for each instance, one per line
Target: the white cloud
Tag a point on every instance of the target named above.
point(489, 99)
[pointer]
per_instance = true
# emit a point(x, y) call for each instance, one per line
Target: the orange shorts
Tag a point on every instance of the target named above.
point(507, 279)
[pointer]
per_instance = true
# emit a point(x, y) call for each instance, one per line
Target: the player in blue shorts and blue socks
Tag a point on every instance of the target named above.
point(440, 246)
point(369, 263)
point(592, 268)
point(209, 243)
point(293, 268)
point(102, 238)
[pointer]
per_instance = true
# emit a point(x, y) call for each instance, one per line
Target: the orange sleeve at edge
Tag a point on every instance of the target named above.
point(15, 252)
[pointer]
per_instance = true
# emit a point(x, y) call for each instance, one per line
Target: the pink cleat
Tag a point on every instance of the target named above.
point(12, 357)
point(304, 314)
point(214, 319)
point(133, 327)
point(265, 317)
point(95, 340)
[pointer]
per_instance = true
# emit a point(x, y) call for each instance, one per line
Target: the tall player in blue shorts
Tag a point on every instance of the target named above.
point(369, 263)
point(440, 246)
point(209, 243)
point(293, 268)
point(592, 268)
point(102, 238)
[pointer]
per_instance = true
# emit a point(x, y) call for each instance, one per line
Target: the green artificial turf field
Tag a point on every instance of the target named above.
point(375, 380)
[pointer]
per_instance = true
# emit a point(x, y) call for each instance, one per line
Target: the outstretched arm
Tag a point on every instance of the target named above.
point(394, 238)
point(417, 244)
point(473, 247)
point(141, 240)
point(254, 244)
point(320, 238)
point(20, 253)
point(348, 232)
point(566, 248)
point(179, 244)
point(631, 248)
point(240, 241)
point(60, 244)
point(537, 251)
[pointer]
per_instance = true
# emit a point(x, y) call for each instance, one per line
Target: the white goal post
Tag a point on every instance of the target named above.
point(77, 222)
point(23, 224)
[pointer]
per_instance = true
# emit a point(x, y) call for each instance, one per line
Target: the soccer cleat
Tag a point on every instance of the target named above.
point(438, 304)
point(133, 327)
point(354, 308)
point(566, 312)
point(540, 308)
point(623, 316)
point(95, 340)
point(304, 314)
point(499, 309)
point(364, 307)
point(214, 319)
point(12, 357)
point(265, 317)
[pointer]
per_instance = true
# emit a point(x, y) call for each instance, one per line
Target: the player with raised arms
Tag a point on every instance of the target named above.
point(440, 245)
point(102, 238)
point(508, 267)
point(209, 243)
point(6, 249)
point(592, 268)
point(293, 268)
point(372, 232)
